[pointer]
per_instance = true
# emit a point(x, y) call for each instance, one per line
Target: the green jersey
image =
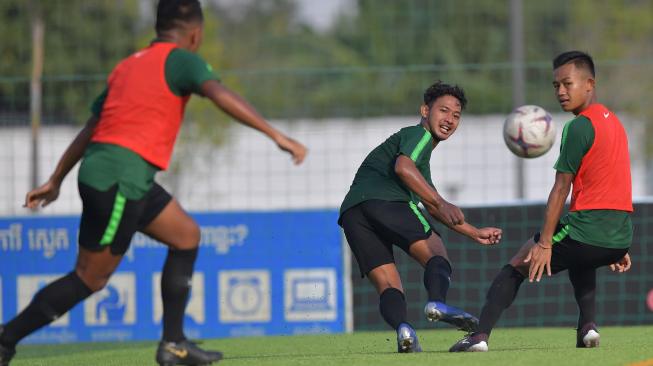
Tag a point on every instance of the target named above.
point(376, 177)
point(603, 228)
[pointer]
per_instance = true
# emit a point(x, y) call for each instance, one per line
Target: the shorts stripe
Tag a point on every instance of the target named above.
point(421, 217)
point(114, 221)
point(561, 234)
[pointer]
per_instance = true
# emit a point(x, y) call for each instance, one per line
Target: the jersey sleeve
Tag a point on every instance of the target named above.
point(414, 142)
point(577, 139)
point(186, 71)
point(98, 104)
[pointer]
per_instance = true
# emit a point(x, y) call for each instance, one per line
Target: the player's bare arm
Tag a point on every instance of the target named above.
point(413, 179)
point(49, 191)
point(235, 106)
point(539, 255)
point(483, 236)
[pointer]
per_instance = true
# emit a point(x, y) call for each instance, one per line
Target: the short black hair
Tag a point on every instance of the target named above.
point(578, 58)
point(171, 13)
point(439, 89)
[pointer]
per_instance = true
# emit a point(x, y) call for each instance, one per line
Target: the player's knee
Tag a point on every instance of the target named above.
point(188, 238)
point(94, 281)
point(192, 237)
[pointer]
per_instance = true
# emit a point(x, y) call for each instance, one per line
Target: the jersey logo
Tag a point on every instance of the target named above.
point(606, 114)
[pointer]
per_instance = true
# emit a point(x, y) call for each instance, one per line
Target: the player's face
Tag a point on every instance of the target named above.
point(443, 116)
point(573, 87)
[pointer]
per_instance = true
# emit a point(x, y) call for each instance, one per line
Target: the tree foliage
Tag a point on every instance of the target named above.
point(374, 61)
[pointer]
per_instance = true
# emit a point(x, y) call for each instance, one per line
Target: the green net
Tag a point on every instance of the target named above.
point(621, 298)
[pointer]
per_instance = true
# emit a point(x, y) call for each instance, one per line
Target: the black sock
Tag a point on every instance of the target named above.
point(437, 277)
point(584, 283)
point(48, 304)
point(175, 288)
point(499, 297)
point(392, 304)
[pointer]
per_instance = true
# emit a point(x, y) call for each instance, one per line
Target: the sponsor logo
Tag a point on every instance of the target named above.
point(244, 296)
point(606, 115)
point(310, 294)
point(113, 305)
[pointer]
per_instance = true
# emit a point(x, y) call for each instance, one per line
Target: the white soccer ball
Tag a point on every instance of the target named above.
point(529, 131)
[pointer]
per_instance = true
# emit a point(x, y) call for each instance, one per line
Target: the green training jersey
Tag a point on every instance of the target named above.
point(603, 228)
point(376, 177)
point(105, 164)
point(185, 72)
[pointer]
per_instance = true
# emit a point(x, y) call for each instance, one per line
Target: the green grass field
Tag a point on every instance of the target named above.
point(508, 346)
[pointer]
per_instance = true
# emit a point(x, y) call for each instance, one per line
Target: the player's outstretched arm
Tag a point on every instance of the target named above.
point(235, 106)
point(48, 192)
point(483, 236)
point(540, 254)
point(409, 174)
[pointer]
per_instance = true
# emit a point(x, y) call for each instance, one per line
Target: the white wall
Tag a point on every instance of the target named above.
point(248, 172)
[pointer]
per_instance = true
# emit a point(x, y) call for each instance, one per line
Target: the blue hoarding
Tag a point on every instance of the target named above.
point(257, 273)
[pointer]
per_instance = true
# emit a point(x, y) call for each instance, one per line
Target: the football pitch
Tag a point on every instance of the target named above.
point(508, 346)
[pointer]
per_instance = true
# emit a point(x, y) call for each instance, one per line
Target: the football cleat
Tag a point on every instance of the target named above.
point(588, 336)
point(435, 310)
point(407, 341)
point(184, 353)
point(471, 343)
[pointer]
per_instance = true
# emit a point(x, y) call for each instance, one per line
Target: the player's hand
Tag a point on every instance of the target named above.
point(622, 264)
point(488, 236)
point(540, 259)
point(42, 196)
point(451, 214)
point(294, 148)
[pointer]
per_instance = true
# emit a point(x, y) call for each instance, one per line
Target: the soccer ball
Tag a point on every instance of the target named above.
point(529, 131)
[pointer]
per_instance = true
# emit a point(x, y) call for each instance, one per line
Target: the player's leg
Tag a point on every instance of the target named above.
point(393, 307)
point(505, 286)
point(584, 284)
point(166, 221)
point(107, 224)
point(392, 302)
point(91, 274)
point(432, 255)
point(582, 275)
point(500, 296)
point(375, 259)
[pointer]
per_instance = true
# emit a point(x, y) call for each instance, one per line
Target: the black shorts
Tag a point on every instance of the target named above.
point(109, 219)
point(568, 253)
point(373, 227)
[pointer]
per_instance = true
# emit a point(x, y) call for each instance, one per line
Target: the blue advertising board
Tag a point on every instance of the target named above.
point(257, 273)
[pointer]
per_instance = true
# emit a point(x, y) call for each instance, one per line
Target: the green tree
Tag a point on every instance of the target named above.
point(83, 39)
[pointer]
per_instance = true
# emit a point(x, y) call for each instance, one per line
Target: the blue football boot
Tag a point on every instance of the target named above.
point(407, 341)
point(435, 310)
